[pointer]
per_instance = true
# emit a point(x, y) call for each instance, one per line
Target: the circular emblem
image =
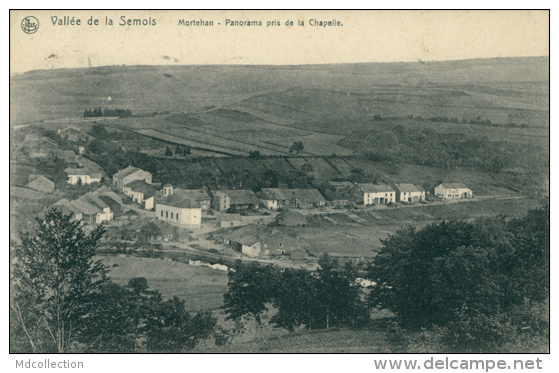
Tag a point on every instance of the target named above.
point(30, 25)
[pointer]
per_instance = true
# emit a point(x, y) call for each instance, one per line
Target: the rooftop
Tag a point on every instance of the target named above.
point(407, 188)
point(141, 186)
point(177, 200)
point(375, 188)
point(454, 185)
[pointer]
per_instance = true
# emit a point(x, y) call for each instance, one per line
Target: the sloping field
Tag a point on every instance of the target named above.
point(181, 141)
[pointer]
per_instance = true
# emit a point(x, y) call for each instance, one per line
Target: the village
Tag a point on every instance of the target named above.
point(137, 211)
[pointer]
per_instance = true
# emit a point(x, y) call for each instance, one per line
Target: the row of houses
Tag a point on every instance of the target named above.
point(94, 207)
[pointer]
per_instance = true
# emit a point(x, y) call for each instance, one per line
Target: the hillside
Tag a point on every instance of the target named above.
point(293, 93)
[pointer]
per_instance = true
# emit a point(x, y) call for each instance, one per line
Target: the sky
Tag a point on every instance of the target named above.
point(354, 37)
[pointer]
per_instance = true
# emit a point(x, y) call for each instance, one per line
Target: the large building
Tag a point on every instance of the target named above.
point(370, 194)
point(129, 174)
point(178, 209)
point(453, 191)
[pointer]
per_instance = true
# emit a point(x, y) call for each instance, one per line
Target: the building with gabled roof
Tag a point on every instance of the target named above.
point(235, 199)
point(260, 240)
point(277, 198)
point(141, 192)
point(229, 220)
point(85, 175)
point(89, 208)
point(44, 148)
point(199, 195)
point(291, 218)
point(40, 183)
point(74, 134)
point(370, 194)
point(274, 198)
point(129, 174)
point(409, 193)
point(453, 191)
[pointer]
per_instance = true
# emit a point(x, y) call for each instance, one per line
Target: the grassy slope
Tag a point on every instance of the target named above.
point(202, 288)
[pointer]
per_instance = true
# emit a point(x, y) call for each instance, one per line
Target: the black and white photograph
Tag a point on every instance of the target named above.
point(279, 182)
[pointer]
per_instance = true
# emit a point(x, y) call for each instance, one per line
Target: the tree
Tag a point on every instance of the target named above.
point(99, 131)
point(96, 146)
point(254, 154)
point(251, 287)
point(55, 283)
point(479, 280)
point(168, 152)
point(149, 231)
point(297, 147)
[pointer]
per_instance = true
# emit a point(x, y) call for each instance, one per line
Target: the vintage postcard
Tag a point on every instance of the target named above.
point(279, 182)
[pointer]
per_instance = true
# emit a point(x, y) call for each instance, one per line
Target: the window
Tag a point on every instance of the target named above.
point(171, 215)
point(161, 213)
point(166, 214)
point(234, 223)
point(177, 216)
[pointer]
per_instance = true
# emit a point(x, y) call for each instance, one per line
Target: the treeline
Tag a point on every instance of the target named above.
point(116, 112)
point(480, 286)
point(327, 298)
point(478, 121)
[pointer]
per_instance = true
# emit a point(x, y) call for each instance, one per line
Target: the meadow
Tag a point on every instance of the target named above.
point(201, 287)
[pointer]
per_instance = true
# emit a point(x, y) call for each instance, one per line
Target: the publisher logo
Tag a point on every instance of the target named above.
point(30, 25)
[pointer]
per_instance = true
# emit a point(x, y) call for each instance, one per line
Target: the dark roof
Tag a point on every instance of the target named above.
point(141, 186)
point(407, 188)
point(276, 194)
point(112, 203)
point(375, 188)
point(81, 171)
point(195, 194)
point(180, 201)
point(242, 197)
point(305, 195)
point(455, 186)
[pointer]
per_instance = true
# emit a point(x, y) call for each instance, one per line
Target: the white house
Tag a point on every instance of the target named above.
point(373, 193)
point(453, 191)
point(178, 209)
point(409, 193)
point(83, 174)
